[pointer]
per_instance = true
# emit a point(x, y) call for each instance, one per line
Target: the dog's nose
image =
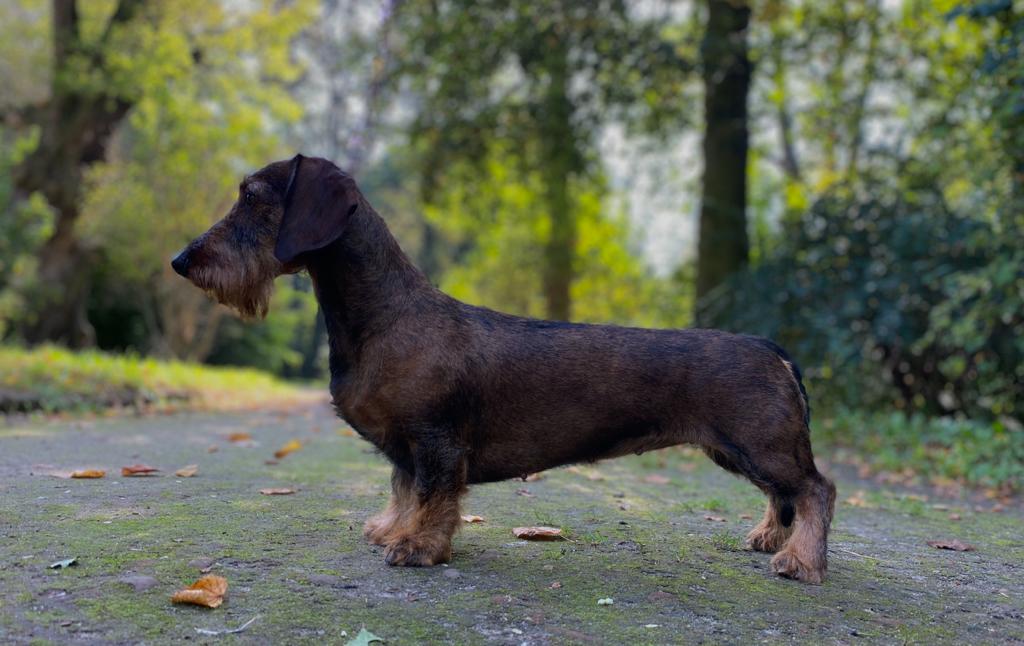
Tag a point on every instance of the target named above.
point(180, 263)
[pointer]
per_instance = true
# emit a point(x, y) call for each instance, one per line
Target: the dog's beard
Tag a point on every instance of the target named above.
point(246, 287)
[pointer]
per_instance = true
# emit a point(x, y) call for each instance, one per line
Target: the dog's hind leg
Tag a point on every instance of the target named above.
point(423, 535)
point(774, 529)
point(378, 530)
point(801, 500)
point(804, 555)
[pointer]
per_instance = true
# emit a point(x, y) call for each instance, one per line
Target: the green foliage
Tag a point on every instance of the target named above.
point(979, 323)
point(21, 232)
point(53, 379)
point(989, 454)
point(494, 214)
point(849, 291)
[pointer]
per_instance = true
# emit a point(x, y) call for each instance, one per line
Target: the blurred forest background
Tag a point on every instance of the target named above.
point(844, 177)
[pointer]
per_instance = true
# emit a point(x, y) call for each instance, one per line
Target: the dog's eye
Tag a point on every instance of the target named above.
point(250, 197)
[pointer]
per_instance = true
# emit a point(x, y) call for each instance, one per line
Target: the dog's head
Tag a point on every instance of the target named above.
point(284, 211)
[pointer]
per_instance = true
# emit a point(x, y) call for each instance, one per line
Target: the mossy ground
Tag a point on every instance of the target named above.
point(299, 563)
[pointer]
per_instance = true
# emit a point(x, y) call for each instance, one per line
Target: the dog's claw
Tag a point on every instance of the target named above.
point(411, 552)
point(786, 564)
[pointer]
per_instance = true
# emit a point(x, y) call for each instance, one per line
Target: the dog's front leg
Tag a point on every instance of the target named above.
point(380, 529)
point(423, 536)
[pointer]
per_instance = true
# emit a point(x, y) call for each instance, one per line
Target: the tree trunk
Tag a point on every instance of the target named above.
point(75, 128)
point(559, 161)
point(723, 247)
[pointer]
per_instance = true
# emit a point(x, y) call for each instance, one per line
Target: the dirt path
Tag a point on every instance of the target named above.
point(298, 564)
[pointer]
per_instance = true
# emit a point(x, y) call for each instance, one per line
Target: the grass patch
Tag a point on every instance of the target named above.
point(978, 453)
point(51, 379)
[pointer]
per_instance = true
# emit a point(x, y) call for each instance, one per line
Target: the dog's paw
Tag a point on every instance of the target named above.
point(413, 551)
point(767, 538)
point(377, 528)
point(787, 564)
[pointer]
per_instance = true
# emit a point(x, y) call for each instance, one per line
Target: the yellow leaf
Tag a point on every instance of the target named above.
point(88, 473)
point(208, 591)
point(290, 447)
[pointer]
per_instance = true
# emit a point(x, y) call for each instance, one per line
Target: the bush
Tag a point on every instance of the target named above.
point(989, 454)
point(886, 298)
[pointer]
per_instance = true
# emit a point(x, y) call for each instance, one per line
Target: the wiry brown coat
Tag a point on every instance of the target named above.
point(455, 394)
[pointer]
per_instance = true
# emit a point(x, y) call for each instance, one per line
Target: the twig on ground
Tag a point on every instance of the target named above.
point(863, 556)
point(227, 631)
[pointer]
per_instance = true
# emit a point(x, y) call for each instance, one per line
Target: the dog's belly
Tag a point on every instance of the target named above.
point(532, 452)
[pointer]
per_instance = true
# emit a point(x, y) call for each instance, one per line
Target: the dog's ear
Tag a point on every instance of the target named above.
point(318, 201)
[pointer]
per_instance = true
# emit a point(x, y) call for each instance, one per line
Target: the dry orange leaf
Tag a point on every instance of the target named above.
point(188, 471)
point(88, 473)
point(208, 591)
point(533, 477)
point(136, 470)
point(956, 545)
point(470, 518)
point(346, 432)
point(277, 491)
point(715, 519)
point(539, 533)
point(290, 447)
point(240, 436)
point(857, 500)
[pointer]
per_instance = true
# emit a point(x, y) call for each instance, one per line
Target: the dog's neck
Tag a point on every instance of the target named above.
point(364, 282)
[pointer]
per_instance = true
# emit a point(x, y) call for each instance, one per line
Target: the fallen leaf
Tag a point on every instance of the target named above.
point(656, 478)
point(538, 533)
point(533, 477)
point(60, 565)
point(857, 500)
point(956, 545)
point(715, 519)
point(208, 591)
point(745, 516)
point(137, 470)
point(346, 432)
point(290, 447)
point(556, 585)
point(607, 601)
point(469, 518)
point(364, 638)
point(88, 473)
point(955, 517)
point(240, 436)
point(277, 491)
point(187, 471)
point(524, 492)
point(271, 462)
point(213, 448)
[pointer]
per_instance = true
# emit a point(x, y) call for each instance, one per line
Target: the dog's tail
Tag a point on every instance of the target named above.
point(794, 370)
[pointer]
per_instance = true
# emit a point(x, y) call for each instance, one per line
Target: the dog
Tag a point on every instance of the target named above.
point(453, 394)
